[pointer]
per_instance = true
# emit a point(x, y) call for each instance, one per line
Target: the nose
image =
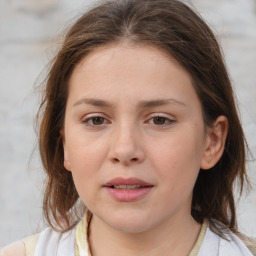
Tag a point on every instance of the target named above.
point(126, 145)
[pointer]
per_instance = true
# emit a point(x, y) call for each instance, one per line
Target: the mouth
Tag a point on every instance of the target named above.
point(128, 190)
point(128, 187)
point(127, 183)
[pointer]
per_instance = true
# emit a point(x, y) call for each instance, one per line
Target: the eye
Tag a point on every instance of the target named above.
point(95, 121)
point(161, 121)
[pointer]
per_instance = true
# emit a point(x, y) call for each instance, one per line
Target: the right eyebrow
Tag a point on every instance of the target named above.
point(94, 102)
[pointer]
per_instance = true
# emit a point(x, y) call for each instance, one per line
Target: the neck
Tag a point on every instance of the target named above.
point(174, 237)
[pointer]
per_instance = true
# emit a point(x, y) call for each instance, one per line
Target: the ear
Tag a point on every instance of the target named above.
point(215, 143)
point(66, 155)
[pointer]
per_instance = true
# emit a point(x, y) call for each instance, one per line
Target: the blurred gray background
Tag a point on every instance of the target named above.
point(29, 34)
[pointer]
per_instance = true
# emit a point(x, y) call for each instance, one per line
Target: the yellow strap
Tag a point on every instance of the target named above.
point(82, 247)
point(200, 239)
point(30, 244)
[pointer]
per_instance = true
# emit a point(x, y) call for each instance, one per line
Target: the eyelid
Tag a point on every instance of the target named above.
point(170, 119)
point(89, 117)
point(167, 116)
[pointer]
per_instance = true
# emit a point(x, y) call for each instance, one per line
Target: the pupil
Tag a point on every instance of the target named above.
point(97, 120)
point(159, 120)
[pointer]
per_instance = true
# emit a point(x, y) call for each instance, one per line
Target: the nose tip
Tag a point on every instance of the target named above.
point(126, 148)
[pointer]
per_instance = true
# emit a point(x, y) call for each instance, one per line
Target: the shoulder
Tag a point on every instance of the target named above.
point(225, 244)
point(14, 249)
point(249, 242)
point(239, 243)
point(25, 247)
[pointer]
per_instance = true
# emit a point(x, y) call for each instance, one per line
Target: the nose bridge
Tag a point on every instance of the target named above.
point(124, 135)
point(126, 143)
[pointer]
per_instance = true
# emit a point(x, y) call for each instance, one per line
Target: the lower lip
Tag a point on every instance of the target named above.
point(128, 195)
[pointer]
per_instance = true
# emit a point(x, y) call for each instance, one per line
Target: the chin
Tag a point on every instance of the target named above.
point(128, 223)
point(130, 228)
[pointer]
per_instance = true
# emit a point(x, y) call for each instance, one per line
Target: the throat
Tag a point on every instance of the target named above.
point(108, 241)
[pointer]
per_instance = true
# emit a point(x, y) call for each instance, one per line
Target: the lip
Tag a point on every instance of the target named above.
point(128, 195)
point(126, 181)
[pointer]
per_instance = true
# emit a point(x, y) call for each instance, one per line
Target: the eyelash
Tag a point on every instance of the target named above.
point(86, 121)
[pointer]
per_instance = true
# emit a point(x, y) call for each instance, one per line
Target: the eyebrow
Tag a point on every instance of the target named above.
point(141, 104)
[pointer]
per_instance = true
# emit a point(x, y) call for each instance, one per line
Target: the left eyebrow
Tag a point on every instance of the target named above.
point(141, 105)
point(159, 102)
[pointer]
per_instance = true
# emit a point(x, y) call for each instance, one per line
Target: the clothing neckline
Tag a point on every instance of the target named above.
point(82, 246)
point(200, 239)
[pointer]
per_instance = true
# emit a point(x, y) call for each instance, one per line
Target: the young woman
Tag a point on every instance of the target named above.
point(140, 138)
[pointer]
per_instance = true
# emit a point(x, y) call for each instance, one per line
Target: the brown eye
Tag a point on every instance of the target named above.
point(159, 120)
point(97, 120)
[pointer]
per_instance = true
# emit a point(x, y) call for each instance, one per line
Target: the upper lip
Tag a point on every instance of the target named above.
point(126, 181)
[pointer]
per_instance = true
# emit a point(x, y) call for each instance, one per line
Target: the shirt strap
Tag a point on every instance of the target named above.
point(30, 244)
point(200, 239)
point(82, 236)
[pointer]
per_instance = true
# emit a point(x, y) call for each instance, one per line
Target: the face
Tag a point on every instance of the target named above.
point(134, 137)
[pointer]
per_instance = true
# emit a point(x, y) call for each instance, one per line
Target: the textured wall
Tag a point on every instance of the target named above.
point(28, 29)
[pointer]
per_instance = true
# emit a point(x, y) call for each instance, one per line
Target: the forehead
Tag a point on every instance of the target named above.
point(125, 55)
point(136, 71)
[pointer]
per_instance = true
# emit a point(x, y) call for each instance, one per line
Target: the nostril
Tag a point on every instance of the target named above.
point(116, 160)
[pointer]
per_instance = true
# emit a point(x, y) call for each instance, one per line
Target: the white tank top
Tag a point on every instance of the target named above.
point(51, 243)
point(55, 244)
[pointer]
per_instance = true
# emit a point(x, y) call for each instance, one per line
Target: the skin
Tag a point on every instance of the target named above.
point(127, 140)
point(15, 249)
point(130, 141)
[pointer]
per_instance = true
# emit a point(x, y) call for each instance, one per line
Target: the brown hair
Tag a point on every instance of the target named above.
point(175, 28)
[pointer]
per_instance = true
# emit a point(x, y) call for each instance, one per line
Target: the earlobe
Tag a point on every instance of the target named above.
point(66, 156)
point(215, 143)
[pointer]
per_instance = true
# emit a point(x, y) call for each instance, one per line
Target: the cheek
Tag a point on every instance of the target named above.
point(85, 157)
point(85, 150)
point(86, 161)
point(177, 166)
point(179, 156)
